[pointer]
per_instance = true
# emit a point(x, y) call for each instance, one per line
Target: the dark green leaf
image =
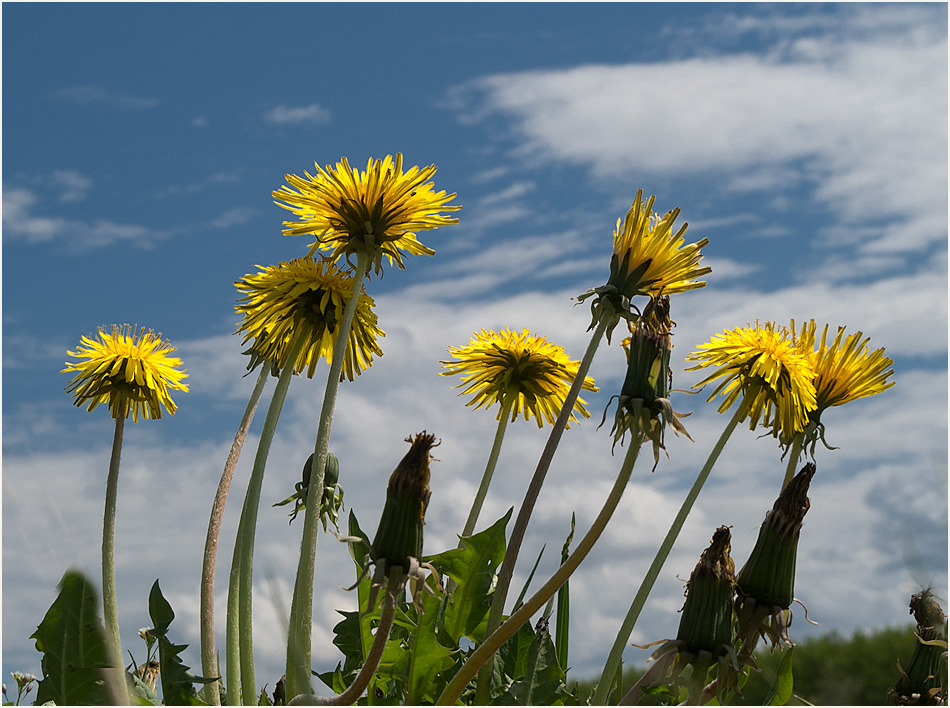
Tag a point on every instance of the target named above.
point(562, 628)
point(73, 643)
point(177, 688)
point(542, 676)
point(781, 690)
point(472, 567)
point(428, 657)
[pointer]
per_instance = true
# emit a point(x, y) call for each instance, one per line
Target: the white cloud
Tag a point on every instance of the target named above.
point(234, 217)
point(314, 114)
point(857, 117)
point(74, 185)
point(89, 94)
point(20, 223)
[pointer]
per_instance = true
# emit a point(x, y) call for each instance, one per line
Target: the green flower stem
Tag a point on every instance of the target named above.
point(489, 470)
point(793, 454)
point(483, 655)
point(368, 670)
point(616, 652)
point(252, 501)
point(232, 652)
point(298, 636)
point(209, 661)
point(531, 496)
point(108, 541)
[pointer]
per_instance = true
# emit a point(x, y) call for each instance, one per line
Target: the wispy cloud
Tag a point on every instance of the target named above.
point(854, 113)
point(314, 114)
point(20, 222)
point(87, 94)
point(74, 185)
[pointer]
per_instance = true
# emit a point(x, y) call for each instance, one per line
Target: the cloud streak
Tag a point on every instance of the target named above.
point(852, 114)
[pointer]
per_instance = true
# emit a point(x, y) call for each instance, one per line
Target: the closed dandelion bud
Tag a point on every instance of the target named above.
point(643, 406)
point(707, 620)
point(766, 584)
point(923, 682)
point(399, 536)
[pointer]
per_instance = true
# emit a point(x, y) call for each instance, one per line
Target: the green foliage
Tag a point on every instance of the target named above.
point(177, 688)
point(73, 643)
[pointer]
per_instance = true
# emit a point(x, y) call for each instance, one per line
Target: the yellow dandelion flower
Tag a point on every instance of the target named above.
point(131, 370)
point(311, 295)
point(649, 259)
point(379, 209)
point(846, 369)
point(763, 364)
point(525, 370)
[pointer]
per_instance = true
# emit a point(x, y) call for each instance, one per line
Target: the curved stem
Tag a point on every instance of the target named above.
point(531, 496)
point(793, 455)
point(646, 585)
point(249, 522)
point(355, 689)
point(209, 662)
point(482, 656)
point(489, 471)
point(298, 636)
point(108, 541)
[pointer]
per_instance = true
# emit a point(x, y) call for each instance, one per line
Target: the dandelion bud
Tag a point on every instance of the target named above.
point(643, 406)
point(399, 536)
point(706, 623)
point(766, 584)
point(923, 683)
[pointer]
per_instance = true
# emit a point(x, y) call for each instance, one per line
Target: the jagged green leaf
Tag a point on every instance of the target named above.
point(543, 678)
point(73, 643)
point(177, 682)
point(473, 568)
point(428, 656)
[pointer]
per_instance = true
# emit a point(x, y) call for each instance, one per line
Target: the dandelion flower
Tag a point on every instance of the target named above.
point(310, 296)
point(649, 259)
point(762, 364)
point(132, 371)
point(523, 370)
point(380, 209)
point(845, 370)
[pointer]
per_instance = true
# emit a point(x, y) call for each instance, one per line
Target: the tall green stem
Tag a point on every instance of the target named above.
point(298, 636)
point(616, 652)
point(252, 501)
point(489, 470)
point(531, 496)
point(209, 662)
point(108, 541)
point(483, 655)
point(232, 651)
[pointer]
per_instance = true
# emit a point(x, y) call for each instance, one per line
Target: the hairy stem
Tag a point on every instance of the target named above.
point(209, 662)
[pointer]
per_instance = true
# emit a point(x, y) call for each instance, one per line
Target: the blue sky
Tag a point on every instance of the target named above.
point(142, 142)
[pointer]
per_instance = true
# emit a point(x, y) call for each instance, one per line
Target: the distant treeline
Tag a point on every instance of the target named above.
point(831, 670)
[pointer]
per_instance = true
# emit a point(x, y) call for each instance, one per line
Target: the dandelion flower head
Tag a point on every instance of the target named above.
point(523, 370)
point(131, 369)
point(379, 209)
point(845, 369)
point(762, 364)
point(306, 295)
point(649, 258)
